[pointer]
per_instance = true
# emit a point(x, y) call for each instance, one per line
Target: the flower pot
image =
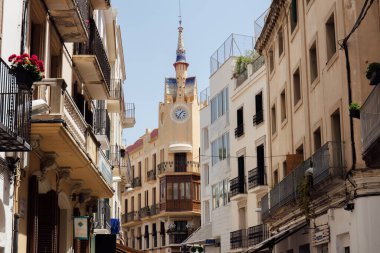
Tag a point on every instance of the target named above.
point(375, 78)
point(24, 79)
point(355, 114)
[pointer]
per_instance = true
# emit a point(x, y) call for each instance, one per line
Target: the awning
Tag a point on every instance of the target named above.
point(200, 236)
point(270, 242)
point(180, 147)
point(124, 249)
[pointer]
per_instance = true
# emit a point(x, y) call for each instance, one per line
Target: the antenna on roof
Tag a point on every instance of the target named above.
point(180, 16)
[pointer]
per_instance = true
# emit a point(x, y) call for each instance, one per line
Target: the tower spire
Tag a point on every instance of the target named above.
point(181, 52)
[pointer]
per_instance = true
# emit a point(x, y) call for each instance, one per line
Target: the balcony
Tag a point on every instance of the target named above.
point(238, 239)
point(145, 212)
point(240, 79)
point(328, 169)
point(239, 131)
point(151, 175)
point(114, 103)
point(78, 148)
point(102, 219)
point(15, 109)
point(171, 166)
point(177, 235)
point(136, 182)
point(102, 127)
point(370, 124)
point(69, 17)
point(105, 168)
point(256, 177)
point(257, 234)
point(101, 4)
point(130, 217)
point(237, 188)
point(114, 157)
point(154, 209)
point(128, 118)
point(91, 60)
point(258, 118)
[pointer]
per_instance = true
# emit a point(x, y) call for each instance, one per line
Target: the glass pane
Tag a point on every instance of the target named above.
point(182, 190)
point(221, 202)
point(188, 190)
point(175, 191)
point(170, 191)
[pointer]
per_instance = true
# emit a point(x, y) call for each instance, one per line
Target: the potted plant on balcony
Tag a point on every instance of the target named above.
point(354, 110)
point(200, 249)
point(193, 249)
point(27, 69)
point(373, 73)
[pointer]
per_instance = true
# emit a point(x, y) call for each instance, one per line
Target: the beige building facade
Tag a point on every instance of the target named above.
point(162, 199)
point(319, 184)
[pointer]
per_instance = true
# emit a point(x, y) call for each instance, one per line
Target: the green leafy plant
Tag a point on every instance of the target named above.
point(304, 197)
point(31, 64)
point(354, 106)
point(200, 249)
point(372, 68)
point(243, 61)
point(193, 249)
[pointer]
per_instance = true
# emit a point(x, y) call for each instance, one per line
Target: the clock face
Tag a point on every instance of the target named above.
point(180, 113)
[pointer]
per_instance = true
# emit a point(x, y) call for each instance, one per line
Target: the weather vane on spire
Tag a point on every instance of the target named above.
point(180, 16)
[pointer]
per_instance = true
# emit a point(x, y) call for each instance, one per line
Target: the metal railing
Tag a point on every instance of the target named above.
point(144, 212)
point(105, 167)
point(136, 182)
point(83, 8)
point(102, 123)
point(256, 177)
point(370, 119)
point(234, 45)
point(95, 46)
point(103, 215)
point(258, 117)
point(154, 209)
point(177, 236)
point(238, 239)
point(151, 175)
point(239, 130)
point(257, 234)
point(171, 166)
point(204, 97)
point(131, 216)
point(241, 78)
point(260, 22)
point(326, 162)
point(116, 89)
point(237, 186)
point(114, 156)
point(15, 113)
point(257, 63)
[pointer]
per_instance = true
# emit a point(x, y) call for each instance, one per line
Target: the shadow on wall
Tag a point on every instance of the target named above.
point(2, 227)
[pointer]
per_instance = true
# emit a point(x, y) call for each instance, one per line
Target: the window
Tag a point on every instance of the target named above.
point(126, 206)
point(162, 155)
point(154, 162)
point(133, 204)
point(139, 201)
point(313, 62)
point(220, 148)
point(324, 248)
point(139, 168)
point(146, 168)
point(175, 191)
point(330, 37)
point(162, 191)
point(187, 190)
point(219, 105)
point(284, 169)
point(280, 39)
point(317, 139)
point(304, 248)
point(146, 198)
point(182, 190)
point(293, 15)
point(259, 117)
point(271, 61)
point(275, 177)
point(205, 138)
point(239, 131)
point(346, 249)
point(220, 195)
point(274, 122)
point(169, 191)
point(206, 175)
point(299, 150)
point(283, 106)
point(296, 86)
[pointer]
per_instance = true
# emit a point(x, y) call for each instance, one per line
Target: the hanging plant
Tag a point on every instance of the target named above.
point(373, 73)
point(304, 197)
point(193, 249)
point(354, 109)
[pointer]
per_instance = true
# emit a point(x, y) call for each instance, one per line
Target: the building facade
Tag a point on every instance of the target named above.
point(71, 122)
point(162, 200)
point(322, 194)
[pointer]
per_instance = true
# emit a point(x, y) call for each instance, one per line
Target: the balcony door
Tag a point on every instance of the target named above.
point(260, 164)
point(241, 173)
point(180, 162)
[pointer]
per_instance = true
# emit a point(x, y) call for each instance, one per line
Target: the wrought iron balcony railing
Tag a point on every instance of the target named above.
point(257, 234)
point(239, 130)
point(83, 7)
point(256, 177)
point(151, 175)
point(258, 117)
point(237, 186)
point(116, 89)
point(102, 123)
point(15, 112)
point(114, 157)
point(144, 212)
point(95, 46)
point(326, 162)
point(103, 215)
point(370, 124)
point(131, 216)
point(154, 209)
point(240, 79)
point(171, 166)
point(238, 239)
point(136, 182)
point(128, 117)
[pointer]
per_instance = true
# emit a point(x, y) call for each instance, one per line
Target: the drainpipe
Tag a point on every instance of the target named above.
point(16, 223)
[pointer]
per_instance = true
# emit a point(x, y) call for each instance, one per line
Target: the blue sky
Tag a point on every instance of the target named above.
point(149, 30)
